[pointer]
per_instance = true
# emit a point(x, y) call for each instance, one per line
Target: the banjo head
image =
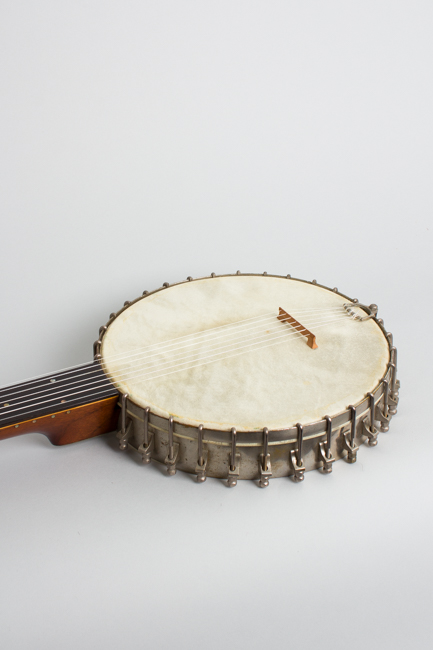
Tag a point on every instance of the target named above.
point(212, 353)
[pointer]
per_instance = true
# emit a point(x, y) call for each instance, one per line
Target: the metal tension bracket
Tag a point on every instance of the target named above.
point(296, 457)
point(349, 438)
point(125, 427)
point(265, 468)
point(325, 448)
point(200, 468)
point(284, 317)
point(146, 448)
point(234, 462)
point(368, 428)
point(173, 450)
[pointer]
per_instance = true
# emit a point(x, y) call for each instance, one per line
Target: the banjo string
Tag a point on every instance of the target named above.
point(145, 377)
point(165, 344)
point(108, 390)
point(245, 351)
point(263, 337)
point(268, 316)
point(131, 373)
point(130, 366)
point(69, 369)
point(202, 347)
point(193, 341)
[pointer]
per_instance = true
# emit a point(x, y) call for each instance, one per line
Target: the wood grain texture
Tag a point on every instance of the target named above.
point(69, 426)
point(286, 318)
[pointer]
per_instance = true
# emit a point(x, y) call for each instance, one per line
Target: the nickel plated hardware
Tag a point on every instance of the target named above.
point(227, 452)
point(314, 445)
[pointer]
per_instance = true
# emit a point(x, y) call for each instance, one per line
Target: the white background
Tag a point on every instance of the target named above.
point(142, 142)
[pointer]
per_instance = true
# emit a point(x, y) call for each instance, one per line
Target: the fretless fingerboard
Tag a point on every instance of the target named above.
point(54, 392)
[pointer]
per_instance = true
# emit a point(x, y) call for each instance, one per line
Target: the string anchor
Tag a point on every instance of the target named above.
point(350, 308)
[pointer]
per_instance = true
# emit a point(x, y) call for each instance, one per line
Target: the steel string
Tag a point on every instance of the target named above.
point(145, 377)
point(68, 369)
point(129, 369)
point(164, 344)
point(204, 344)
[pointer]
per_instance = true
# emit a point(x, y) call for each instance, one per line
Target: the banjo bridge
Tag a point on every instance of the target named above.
point(284, 317)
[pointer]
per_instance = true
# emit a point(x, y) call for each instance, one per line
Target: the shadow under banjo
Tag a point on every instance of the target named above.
point(239, 376)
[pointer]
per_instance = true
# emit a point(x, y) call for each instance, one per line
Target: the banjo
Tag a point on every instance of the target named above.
point(241, 376)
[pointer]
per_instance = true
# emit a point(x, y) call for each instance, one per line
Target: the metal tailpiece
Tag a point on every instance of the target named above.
point(371, 311)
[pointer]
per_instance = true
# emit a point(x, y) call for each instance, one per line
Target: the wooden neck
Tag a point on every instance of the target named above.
point(67, 406)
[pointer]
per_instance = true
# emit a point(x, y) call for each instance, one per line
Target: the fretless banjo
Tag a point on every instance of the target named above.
point(240, 376)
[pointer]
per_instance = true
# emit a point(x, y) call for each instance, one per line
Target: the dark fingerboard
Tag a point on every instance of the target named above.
point(54, 392)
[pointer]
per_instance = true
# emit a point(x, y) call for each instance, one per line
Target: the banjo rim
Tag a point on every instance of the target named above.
point(313, 429)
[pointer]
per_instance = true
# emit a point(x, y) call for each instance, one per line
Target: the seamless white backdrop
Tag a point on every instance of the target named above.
point(143, 142)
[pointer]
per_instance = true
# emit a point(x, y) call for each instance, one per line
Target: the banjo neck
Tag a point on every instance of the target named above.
point(67, 406)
